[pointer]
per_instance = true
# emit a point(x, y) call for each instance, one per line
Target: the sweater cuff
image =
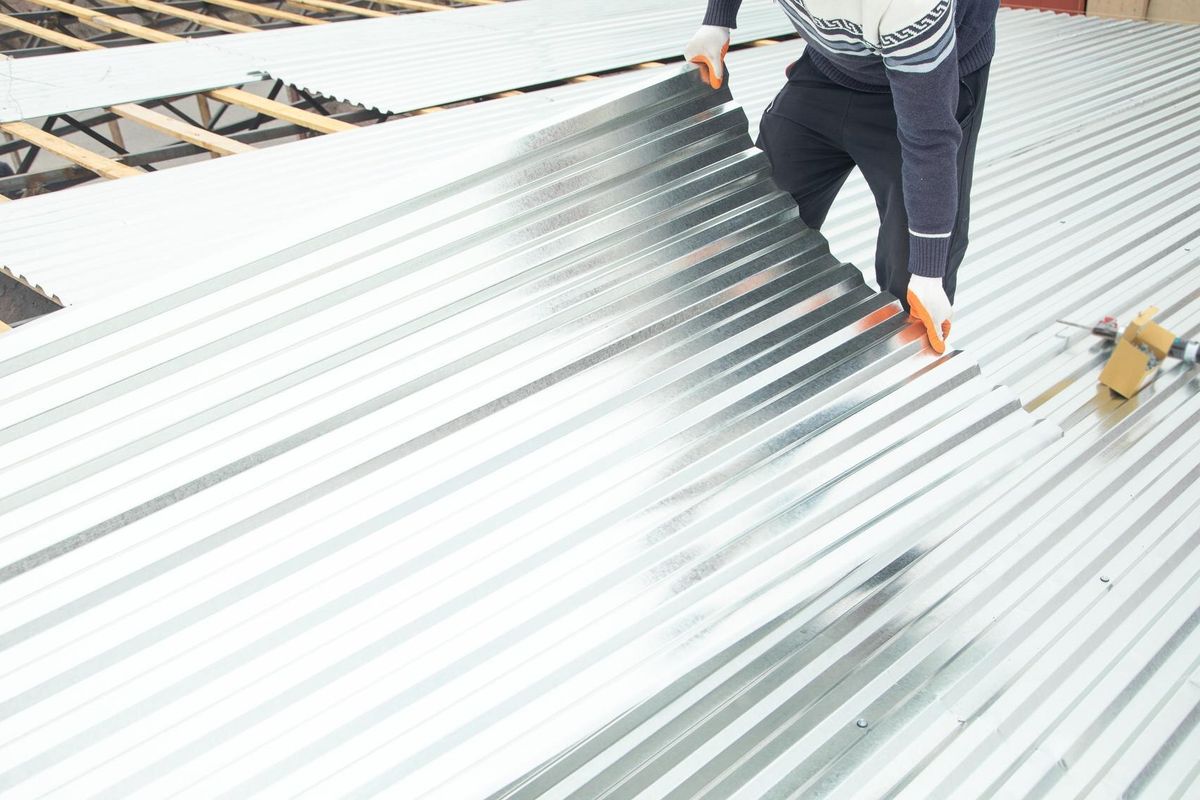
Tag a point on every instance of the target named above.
point(722, 12)
point(927, 255)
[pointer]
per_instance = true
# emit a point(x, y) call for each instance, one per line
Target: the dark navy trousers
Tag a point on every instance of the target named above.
point(816, 131)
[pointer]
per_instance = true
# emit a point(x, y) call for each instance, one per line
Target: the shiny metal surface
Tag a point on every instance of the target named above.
point(89, 244)
point(984, 651)
point(408, 507)
point(1040, 640)
point(1085, 191)
point(392, 64)
point(43, 85)
point(92, 243)
point(420, 60)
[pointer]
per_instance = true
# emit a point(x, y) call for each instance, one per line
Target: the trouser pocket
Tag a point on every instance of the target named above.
point(966, 103)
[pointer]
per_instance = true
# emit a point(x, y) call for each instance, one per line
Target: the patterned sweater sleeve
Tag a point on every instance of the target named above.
point(723, 13)
point(919, 49)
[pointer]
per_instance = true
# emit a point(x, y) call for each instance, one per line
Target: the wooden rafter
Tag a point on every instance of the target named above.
point(105, 22)
point(414, 5)
point(266, 11)
point(62, 39)
point(178, 129)
point(329, 5)
point(237, 97)
point(273, 108)
point(214, 142)
point(104, 167)
point(191, 16)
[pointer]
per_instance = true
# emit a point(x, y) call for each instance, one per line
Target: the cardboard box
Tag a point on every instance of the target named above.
point(1158, 339)
point(1128, 370)
point(1118, 9)
point(1174, 11)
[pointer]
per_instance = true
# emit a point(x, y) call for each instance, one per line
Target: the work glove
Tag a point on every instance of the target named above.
point(707, 49)
point(929, 305)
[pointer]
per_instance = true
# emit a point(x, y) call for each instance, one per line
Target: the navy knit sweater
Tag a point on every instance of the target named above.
point(917, 50)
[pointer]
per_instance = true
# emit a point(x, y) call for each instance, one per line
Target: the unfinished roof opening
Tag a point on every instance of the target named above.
point(21, 302)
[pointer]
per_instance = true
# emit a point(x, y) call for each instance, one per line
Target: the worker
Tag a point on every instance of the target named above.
point(897, 89)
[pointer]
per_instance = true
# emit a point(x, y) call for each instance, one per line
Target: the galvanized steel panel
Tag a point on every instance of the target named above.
point(44, 85)
point(421, 60)
point(406, 508)
point(104, 239)
point(983, 652)
point(395, 64)
point(1039, 640)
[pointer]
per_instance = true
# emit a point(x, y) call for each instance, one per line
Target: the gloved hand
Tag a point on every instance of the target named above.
point(929, 304)
point(708, 48)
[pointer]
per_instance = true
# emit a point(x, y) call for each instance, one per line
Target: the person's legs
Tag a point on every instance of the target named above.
point(799, 133)
point(872, 142)
point(970, 119)
point(877, 150)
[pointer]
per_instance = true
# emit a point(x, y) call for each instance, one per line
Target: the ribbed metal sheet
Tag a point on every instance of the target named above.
point(1041, 640)
point(421, 60)
point(43, 85)
point(92, 243)
point(407, 508)
point(395, 64)
point(1085, 196)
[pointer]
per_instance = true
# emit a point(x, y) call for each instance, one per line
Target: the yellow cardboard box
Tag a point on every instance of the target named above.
point(1128, 369)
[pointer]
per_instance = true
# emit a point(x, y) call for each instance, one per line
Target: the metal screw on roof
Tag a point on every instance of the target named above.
point(1104, 579)
point(862, 723)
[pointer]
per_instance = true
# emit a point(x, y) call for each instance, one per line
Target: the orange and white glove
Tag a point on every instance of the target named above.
point(928, 303)
point(707, 49)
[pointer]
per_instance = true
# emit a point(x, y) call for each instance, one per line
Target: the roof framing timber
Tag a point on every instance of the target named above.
point(273, 108)
point(329, 5)
point(57, 37)
point(105, 22)
point(190, 16)
point(267, 11)
point(178, 129)
point(414, 5)
point(102, 166)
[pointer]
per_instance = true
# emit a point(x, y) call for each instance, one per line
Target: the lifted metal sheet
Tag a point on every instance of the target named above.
point(407, 508)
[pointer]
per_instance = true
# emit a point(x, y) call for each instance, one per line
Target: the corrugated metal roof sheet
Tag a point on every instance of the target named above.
point(477, 51)
point(43, 85)
point(395, 64)
point(446, 487)
point(1085, 200)
point(93, 242)
point(985, 654)
point(261, 201)
point(1041, 640)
